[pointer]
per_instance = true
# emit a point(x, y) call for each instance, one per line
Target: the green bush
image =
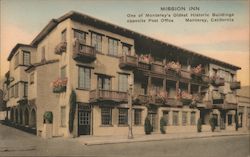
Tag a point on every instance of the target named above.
point(72, 110)
point(163, 123)
point(199, 125)
point(48, 117)
point(212, 122)
point(147, 126)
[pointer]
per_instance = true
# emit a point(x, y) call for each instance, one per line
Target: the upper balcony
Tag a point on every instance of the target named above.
point(128, 62)
point(83, 53)
point(235, 85)
point(218, 81)
point(98, 95)
point(60, 48)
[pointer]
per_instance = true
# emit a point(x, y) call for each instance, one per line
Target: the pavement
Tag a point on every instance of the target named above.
point(100, 140)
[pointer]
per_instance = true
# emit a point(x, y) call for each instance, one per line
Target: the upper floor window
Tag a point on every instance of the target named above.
point(16, 90)
point(104, 82)
point(32, 78)
point(80, 35)
point(84, 78)
point(63, 35)
point(126, 49)
point(25, 88)
point(16, 60)
point(113, 47)
point(96, 41)
point(26, 58)
point(63, 72)
point(123, 82)
point(43, 54)
point(12, 93)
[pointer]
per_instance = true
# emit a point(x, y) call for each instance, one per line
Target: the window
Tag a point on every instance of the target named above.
point(123, 82)
point(184, 118)
point(84, 78)
point(106, 115)
point(16, 90)
point(63, 35)
point(80, 35)
point(137, 116)
point(193, 118)
point(12, 91)
point(113, 47)
point(26, 58)
point(16, 60)
point(32, 78)
point(96, 41)
point(175, 117)
point(104, 82)
point(123, 116)
point(63, 116)
point(165, 116)
point(43, 54)
point(63, 72)
point(230, 119)
point(25, 87)
point(126, 49)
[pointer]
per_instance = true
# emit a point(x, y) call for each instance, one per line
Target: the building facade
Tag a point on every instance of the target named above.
point(97, 59)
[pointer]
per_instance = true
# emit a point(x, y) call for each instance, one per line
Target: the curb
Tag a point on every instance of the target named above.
point(162, 139)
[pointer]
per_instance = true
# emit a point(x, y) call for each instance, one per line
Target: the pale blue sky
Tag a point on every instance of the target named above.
point(30, 16)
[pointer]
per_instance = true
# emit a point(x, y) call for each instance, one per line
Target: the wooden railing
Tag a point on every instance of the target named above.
point(83, 52)
point(157, 68)
point(99, 95)
point(128, 62)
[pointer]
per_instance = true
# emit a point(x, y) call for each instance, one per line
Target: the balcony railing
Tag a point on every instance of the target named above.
point(185, 74)
point(140, 99)
point(60, 48)
point(157, 68)
point(186, 98)
point(217, 81)
point(128, 62)
point(84, 53)
point(108, 95)
point(235, 85)
point(143, 66)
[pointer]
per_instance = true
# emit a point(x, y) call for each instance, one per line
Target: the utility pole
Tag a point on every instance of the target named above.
point(130, 83)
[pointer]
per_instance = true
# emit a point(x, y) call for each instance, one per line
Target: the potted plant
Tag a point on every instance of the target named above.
point(147, 126)
point(163, 125)
point(199, 125)
point(48, 117)
point(212, 122)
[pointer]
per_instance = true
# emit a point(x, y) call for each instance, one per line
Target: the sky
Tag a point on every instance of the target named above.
point(22, 20)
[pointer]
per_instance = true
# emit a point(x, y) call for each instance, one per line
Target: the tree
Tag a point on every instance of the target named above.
point(212, 122)
point(199, 125)
point(163, 124)
point(72, 110)
point(147, 126)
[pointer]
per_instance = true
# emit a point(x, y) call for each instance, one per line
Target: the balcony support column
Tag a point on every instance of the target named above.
point(189, 87)
point(177, 89)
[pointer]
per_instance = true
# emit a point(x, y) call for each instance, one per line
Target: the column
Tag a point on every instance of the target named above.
point(177, 89)
point(164, 83)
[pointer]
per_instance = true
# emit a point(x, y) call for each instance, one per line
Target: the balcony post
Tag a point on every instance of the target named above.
point(189, 87)
point(130, 113)
point(177, 89)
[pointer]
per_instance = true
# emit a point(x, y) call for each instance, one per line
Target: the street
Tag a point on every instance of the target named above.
point(14, 142)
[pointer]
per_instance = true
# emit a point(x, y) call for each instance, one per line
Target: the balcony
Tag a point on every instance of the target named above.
point(235, 85)
point(186, 98)
point(140, 99)
point(83, 53)
point(60, 48)
point(59, 85)
point(230, 99)
point(185, 74)
point(217, 97)
point(108, 95)
point(217, 81)
point(143, 66)
point(128, 62)
point(157, 68)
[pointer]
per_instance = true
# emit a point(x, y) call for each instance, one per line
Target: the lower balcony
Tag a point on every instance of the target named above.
point(60, 48)
point(59, 85)
point(235, 85)
point(108, 95)
point(128, 62)
point(83, 53)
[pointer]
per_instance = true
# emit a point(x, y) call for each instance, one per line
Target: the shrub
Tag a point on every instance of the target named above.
point(48, 117)
point(72, 101)
point(199, 125)
point(163, 123)
point(212, 122)
point(147, 126)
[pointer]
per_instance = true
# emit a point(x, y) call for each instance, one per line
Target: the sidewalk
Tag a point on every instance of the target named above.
point(99, 140)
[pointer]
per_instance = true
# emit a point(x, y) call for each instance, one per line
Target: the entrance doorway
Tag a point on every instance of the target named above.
point(84, 120)
point(153, 120)
point(223, 120)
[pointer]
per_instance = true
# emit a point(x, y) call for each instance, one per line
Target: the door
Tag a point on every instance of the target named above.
point(223, 121)
point(153, 122)
point(84, 120)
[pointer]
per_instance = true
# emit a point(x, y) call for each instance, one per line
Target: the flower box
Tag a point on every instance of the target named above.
point(59, 85)
point(218, 81)
point(197, 70)
point(186, 98)
point(176, 66)
point(145, 58)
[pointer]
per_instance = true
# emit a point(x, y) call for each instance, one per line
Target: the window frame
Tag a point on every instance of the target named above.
point(29, 58)
point(107, 115)
point(137, 118)
point(79, 78)
point(129, 49)
point(184, 118)
point(113, 51)
point(122, 117)
point(32, 78)
point(122, 88)
point(103, 78)
point(16, 60)
point(64, 35)
point(177, 118)
point(25, 91)
point(96, 41)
